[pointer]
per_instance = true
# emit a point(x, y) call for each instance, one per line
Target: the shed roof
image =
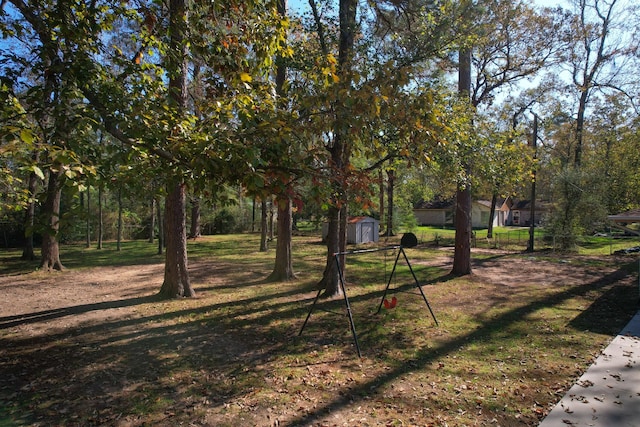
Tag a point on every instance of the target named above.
point(628, 216)
point(356, 219)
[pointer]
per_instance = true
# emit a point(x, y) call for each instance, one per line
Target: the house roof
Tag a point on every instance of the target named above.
point(443, 204)
point(436, 203)
point(521, 205)
point(628, 216)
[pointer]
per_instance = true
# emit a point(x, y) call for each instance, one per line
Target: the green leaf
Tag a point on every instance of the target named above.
point(26, 136)
point(38, 172)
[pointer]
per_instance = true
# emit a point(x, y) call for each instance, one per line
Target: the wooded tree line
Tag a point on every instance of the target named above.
point(175, 101)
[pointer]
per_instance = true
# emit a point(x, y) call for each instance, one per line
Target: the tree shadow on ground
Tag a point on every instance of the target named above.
point(173, 361)
point(57, 313)
point(91, 375)
point(427, 356)
point(602, 316)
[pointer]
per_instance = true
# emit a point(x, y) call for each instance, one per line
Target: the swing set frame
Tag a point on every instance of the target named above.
point(347, 305)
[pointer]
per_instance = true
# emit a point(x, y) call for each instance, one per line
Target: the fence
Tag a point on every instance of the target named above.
point(518, 241)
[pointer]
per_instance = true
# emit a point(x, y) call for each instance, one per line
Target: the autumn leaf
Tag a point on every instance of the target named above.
point(245, 77)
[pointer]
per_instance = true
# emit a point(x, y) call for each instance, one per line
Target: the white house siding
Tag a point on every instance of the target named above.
point(439, 217)
point(431, 217)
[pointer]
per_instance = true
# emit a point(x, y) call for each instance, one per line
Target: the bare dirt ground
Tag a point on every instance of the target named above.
point(96, 347)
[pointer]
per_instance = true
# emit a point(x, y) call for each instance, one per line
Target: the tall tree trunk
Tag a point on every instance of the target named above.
point(119, 236)
point(492, 214)
point(253, 215)
point(339, 150)
point(88, 230)
point(381, 188)
point(462, 250)
point(161, 228)
point(391, 181)
point(532, 215)
point(330, 279)
point(343, 237)
point(152, 220)
point(283, 269)
point(176, 275)
point(264, 246)
point(29, 221)
point(582, 107)
point(194, 231)
point(50, 252)
point(100, 219)
point(271, 213)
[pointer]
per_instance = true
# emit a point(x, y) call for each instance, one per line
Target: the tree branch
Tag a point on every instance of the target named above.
point(110, 125)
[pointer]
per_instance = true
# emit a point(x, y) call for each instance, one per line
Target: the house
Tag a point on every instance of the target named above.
point(360, 229)
point(624, 219)
point(519, 214)
point(440, 213)
point(437, 212)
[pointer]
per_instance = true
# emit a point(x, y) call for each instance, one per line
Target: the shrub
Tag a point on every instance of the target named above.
point(224, 222)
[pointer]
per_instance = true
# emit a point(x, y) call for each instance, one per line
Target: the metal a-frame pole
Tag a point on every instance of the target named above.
point(310, 311)
point(346, 302)
point(424, 297)
point(419, 287)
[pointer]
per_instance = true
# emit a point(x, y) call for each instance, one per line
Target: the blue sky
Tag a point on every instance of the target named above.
point(304, 4)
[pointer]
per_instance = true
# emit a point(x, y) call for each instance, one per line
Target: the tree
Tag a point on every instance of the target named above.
point(28, 252)
point(53, 102)
point(376, 58)
point(339, 147)
point(512, 43)
point(18, 139)
point(611, 140)
point(283, 267)
point(195, 228)
point(391, 178)
point(596, 45)
point(176, 274)
point(462, 252)
point(602, 47)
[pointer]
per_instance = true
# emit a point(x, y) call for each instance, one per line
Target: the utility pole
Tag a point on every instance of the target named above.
point(533, 143)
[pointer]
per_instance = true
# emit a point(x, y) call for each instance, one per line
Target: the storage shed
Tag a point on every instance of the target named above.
point(360, 229)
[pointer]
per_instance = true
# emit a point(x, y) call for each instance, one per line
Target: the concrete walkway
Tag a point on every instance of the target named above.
point(608, 394)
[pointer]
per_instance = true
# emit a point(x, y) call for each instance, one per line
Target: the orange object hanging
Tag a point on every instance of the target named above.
point(392, 304)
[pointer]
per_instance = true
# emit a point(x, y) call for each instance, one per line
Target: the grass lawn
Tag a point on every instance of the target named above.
point(517, 239)
point(93, 345)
